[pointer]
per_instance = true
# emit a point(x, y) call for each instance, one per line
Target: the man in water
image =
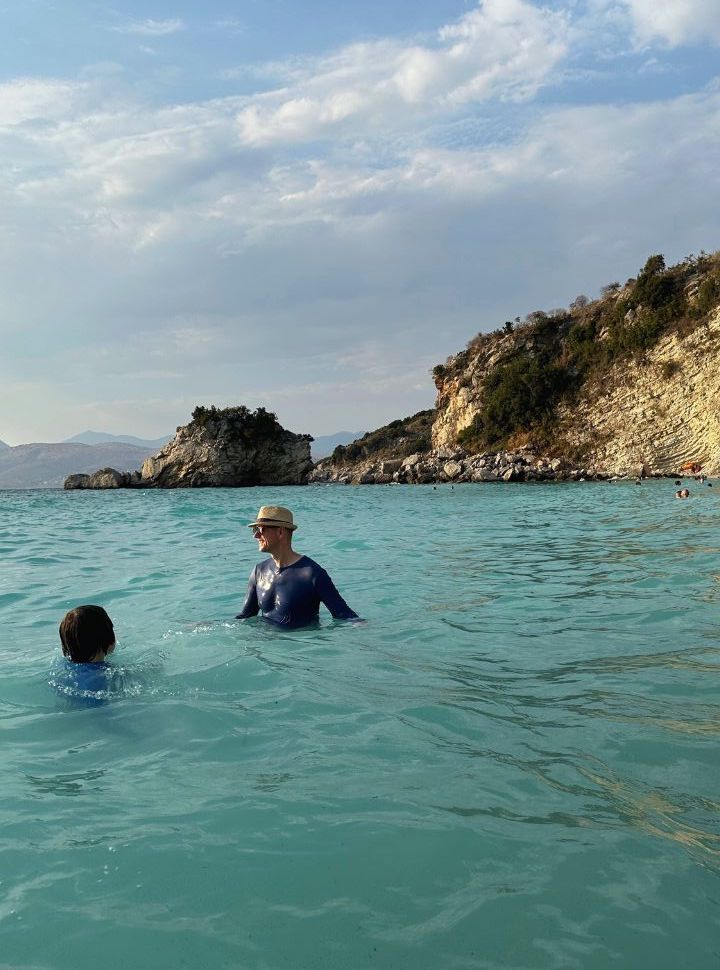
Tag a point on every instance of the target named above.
point(288, 588)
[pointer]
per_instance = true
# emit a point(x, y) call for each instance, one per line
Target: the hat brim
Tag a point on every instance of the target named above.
point(274, 522)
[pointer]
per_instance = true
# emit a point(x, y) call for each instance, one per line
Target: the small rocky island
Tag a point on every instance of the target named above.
point(228, 447)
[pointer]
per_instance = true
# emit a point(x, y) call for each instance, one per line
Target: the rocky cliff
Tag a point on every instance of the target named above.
point(625, 383)
point(628, 384)
point(460, 383)
point(652, 414)
point(377, 455)
point(229, 447)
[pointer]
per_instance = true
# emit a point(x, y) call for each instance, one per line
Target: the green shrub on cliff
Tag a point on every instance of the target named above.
point(708, 295)
point(669, 368)
point(259, 423)
point(517, 396)
point(657, 300)
point(398, 439)
point(520, 395)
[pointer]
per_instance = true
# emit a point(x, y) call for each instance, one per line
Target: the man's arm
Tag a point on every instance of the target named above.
point(331, 598)
point(250, 607)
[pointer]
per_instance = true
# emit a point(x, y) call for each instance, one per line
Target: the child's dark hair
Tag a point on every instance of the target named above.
point(84, 632)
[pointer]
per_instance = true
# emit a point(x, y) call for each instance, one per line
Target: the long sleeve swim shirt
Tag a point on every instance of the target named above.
point(291, 595)
point(85, 684)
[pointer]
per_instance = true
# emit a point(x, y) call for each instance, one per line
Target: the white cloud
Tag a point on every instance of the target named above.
point(676, 22)
point(154, 28)
point(586, 149)
point(132, 177)
point(230, 25)
point(32, 99)
point(503, 50)
point(143, 181)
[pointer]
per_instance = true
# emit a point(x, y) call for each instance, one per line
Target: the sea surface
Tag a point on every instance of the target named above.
point(513, 763)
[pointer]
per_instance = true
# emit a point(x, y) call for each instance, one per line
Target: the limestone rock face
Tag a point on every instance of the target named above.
point(648, 415)
point(654, 414)
point(459, 396)
point(229, 447)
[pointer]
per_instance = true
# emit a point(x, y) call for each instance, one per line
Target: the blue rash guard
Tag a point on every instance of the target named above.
point(291, 595)
point(86, 684)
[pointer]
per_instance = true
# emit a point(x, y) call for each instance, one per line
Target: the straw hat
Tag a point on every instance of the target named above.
point(274, 515)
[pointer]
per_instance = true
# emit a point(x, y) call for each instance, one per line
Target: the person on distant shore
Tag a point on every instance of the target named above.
point(87, 635)
point(288, 588)
point(682, 493)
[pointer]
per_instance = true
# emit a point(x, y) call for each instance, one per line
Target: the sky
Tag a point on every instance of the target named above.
point(307, 204)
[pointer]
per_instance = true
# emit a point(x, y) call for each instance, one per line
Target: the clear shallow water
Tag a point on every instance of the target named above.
point(513, 764)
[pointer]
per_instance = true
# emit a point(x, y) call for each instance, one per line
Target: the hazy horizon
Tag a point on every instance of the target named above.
point(118, 436)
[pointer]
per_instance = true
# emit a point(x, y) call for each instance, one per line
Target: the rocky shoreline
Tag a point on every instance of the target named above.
point(439, 466)
point(455, 465)
point(106, 478)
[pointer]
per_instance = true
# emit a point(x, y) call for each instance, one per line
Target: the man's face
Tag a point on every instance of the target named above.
point(268, 537)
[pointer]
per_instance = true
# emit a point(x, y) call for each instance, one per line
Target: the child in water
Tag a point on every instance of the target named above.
point(87, 635)
point(88, 638)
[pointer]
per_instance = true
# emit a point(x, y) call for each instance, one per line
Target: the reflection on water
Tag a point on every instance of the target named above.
point(66, 784)
point(681, 659)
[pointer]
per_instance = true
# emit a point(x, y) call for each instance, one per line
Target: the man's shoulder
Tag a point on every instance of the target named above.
point(307, 561)
point(306, 567)
point(313, 567)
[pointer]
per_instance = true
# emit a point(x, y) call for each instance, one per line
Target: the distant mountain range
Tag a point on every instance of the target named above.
point(47, 465)
point(321, 447)
point(102, 437)
point(324, 445)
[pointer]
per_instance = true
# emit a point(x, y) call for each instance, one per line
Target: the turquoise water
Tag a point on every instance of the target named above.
point(512, 764)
